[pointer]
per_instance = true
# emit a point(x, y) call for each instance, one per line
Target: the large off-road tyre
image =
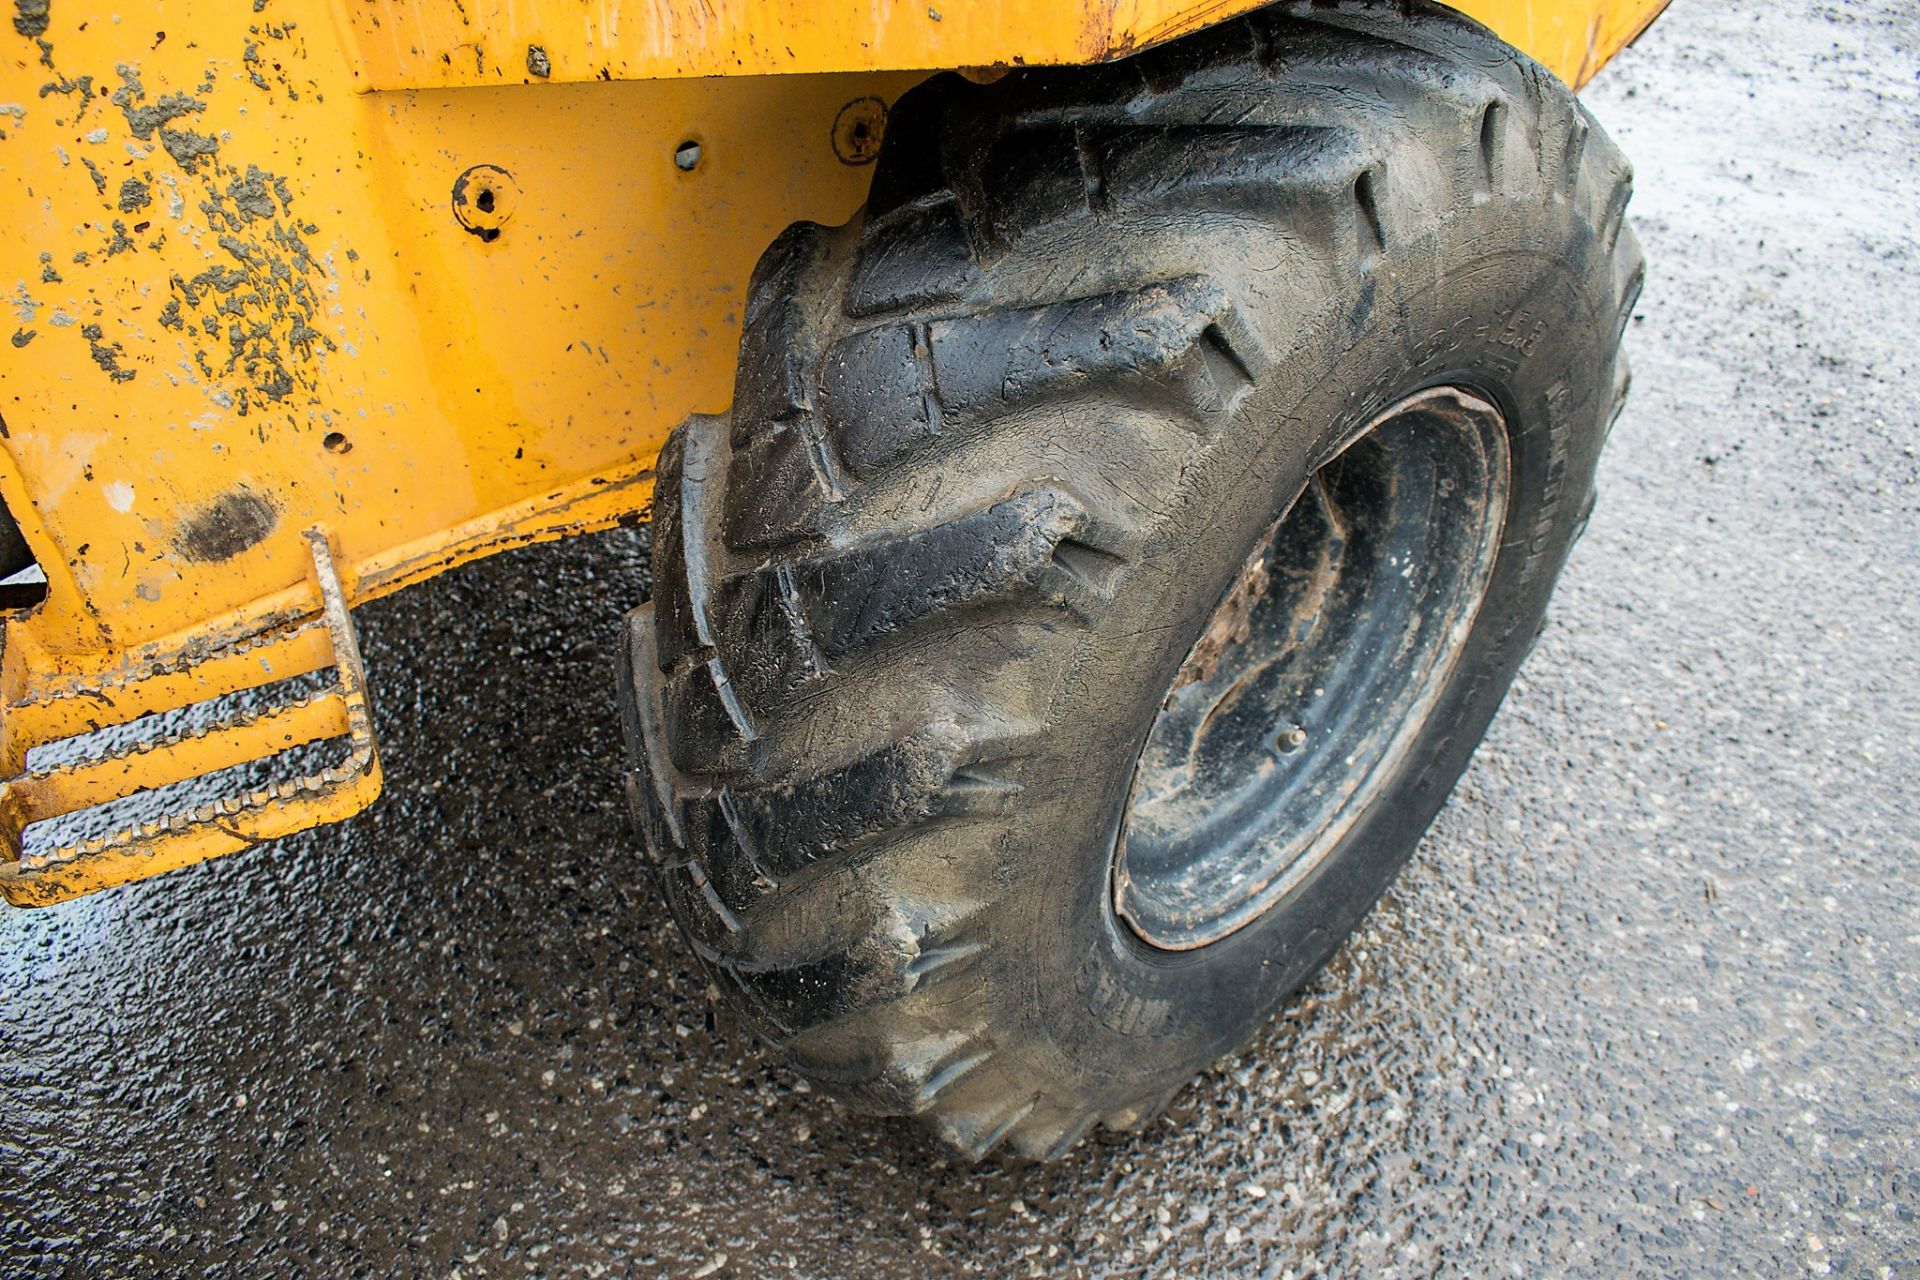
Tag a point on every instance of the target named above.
point(1124, 531)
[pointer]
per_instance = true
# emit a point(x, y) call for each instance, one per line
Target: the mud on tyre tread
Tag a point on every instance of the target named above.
point(976, 424)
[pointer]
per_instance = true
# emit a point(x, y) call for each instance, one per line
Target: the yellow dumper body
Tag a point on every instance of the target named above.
point(313, 299)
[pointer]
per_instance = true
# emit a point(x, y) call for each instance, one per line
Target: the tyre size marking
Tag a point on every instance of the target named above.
point(1553, 486)
point(1123, 1011)
point(1521, 332)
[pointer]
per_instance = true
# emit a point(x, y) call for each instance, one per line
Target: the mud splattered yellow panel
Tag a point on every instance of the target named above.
point(242, 303)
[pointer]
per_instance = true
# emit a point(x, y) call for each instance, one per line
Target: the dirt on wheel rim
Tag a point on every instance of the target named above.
point(1316, 671)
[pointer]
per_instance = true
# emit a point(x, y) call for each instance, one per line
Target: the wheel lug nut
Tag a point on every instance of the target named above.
point(1292, 738)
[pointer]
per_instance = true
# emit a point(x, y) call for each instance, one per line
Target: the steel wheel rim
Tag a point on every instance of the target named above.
point(1315, 672)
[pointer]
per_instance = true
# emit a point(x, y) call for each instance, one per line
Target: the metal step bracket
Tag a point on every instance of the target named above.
point(209, 830)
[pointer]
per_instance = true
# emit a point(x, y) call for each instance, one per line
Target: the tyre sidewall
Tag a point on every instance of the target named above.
point(1518, 327)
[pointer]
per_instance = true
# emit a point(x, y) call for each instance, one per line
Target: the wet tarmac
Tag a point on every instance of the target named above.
point(1647, 1002)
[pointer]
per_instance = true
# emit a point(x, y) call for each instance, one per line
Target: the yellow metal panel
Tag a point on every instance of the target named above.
point(242, 304)
point(402, 44)
point(445, 43)
point(1571, 38)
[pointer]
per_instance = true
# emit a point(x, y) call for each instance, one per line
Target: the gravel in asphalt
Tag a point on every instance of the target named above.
point(1644, 1004)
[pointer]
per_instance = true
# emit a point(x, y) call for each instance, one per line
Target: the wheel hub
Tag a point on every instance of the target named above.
point(1323, 659)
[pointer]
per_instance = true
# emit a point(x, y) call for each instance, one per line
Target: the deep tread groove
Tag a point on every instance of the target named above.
point(1571, 163)
point(938, 963)
point(947, 1077)
point(1363, 195)
point(1615, 218)
point(1004, 1124)
point(795, 613)
point(730, 699)
point(1093, 178)
point(702, 882)
point(1493, 120)
point(744, 840)
point(977, 778)
point(826, 471)
point(1067, 1138)
point(1090, 569)
point(1223, 359)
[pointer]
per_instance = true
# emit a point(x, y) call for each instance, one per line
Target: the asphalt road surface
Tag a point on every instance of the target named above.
point(1646, 1003)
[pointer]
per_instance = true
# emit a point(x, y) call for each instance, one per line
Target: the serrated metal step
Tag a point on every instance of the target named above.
point(207, 830)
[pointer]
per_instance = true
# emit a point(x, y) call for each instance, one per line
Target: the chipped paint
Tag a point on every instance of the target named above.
point(257, 300)
point(79, 88)
point(63, 464)
point(30, 17)
point(317, 222)
point(105, 354)
point(143, 118)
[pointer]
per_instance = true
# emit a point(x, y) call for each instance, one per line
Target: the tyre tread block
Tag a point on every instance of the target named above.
point(989, 363)
point(1261, 170)
point(789, 825)
point(868, 593)
point(893, 390)
point(771, 384)
point(779, 468)
point(793, 620)
point(1036, 180)
point(916, 255)
point(912, 172)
